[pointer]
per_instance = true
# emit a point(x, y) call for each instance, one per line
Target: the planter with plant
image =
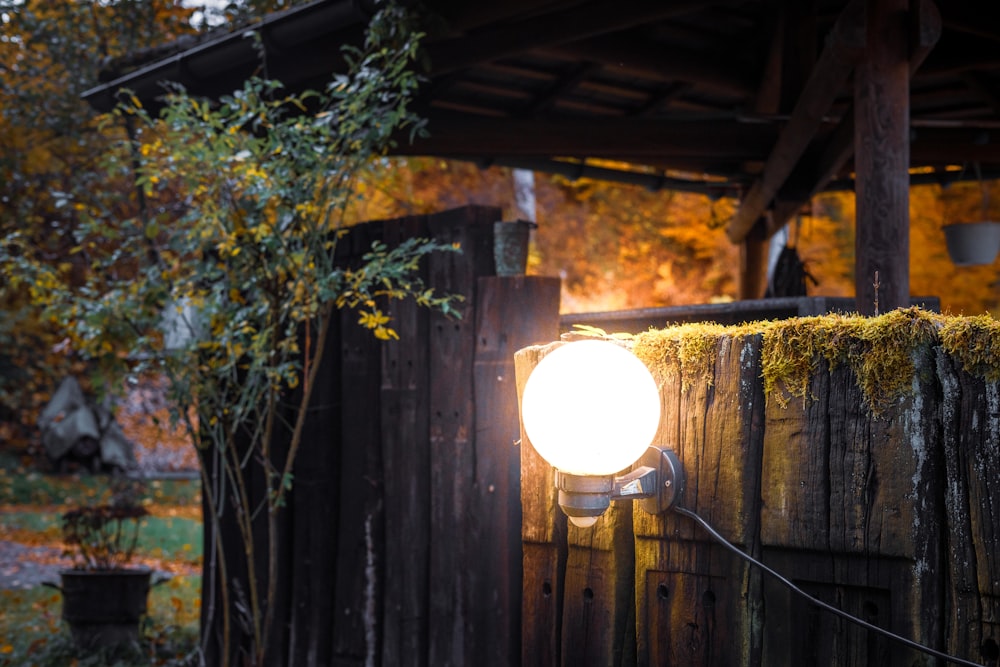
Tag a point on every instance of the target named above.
point(104, 595)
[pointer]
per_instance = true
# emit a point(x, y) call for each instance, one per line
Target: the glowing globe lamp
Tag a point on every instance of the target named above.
point(590, 408)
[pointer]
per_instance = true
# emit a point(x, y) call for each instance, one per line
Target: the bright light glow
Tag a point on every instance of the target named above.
point(590, 408)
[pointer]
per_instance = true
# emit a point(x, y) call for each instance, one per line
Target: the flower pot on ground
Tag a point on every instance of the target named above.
point(973, 243)
point(104, 597)
point(104, 607)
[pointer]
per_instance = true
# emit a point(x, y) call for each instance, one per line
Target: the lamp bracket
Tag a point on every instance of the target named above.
point(670, 479)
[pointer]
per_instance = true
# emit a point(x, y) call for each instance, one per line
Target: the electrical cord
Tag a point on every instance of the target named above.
point(819, 603)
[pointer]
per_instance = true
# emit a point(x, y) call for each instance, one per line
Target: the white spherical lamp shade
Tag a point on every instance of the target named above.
point(590, 408)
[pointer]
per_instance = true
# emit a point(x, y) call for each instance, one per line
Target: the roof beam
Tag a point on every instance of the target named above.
point(596, 18)
point(464, 136)
point(844, 47)
point(925, 30)
point(625, 55)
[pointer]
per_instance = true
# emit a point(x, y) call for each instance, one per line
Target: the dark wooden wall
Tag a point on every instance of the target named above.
point(892, 518)
point(401, 540)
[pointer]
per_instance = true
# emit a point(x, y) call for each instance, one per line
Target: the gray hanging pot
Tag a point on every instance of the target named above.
point(510, 246)
point(973, 243)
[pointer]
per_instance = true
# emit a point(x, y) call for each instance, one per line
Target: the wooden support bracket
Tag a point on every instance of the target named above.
point(844, 47)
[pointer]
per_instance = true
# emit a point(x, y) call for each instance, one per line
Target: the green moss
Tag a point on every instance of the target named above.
point(879, 350)
point(689, 348)
point(975, 341)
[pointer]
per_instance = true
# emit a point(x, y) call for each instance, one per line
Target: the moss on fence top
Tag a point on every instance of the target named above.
point(880, 350)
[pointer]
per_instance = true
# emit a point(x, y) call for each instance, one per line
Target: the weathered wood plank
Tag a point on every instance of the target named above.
point(850, 510)
point(313, 506)
point(406, 458)
point(598, 603)
point(356, 632)
point(715, 426)
point(455, 571)
point(543, 531)
point(971, 439)
point(511, 313)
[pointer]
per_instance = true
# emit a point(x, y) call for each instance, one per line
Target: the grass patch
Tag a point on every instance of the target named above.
point(172, 538)
point(22, 486)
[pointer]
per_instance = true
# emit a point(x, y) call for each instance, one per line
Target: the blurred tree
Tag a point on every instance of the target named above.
point(50, 52)
point(51, 144)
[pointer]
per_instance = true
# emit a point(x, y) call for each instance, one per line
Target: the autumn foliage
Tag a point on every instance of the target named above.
point(615, 246)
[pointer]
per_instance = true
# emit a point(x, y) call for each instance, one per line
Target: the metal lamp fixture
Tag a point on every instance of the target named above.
point(591, 409)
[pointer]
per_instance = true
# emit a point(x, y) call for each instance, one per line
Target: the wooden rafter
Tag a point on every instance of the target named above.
point(843, 49)
point(596, 18)
point(456, 135)
point(814, 175)
point(669, 63)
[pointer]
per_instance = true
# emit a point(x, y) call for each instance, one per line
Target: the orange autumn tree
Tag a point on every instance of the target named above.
point(621, 246)
point(50, 144)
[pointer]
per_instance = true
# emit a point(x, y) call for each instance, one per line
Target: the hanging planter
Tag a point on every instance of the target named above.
point(973, 243)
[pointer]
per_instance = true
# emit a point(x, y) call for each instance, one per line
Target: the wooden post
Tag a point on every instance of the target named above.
point(753, 262)
point(696, 605)
point(882, 161)
point(971, 439)
point(543, 531)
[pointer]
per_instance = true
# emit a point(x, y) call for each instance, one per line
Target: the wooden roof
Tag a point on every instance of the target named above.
point(740, 97)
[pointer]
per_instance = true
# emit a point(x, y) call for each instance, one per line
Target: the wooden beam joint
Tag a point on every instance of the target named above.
point(844, 47)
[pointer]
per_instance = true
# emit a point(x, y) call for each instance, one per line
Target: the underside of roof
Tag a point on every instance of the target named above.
point(712, 96)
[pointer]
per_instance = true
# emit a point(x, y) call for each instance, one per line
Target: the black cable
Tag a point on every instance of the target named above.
point(819, 603)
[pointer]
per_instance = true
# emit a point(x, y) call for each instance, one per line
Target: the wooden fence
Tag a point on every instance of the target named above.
point(401, 539)
point(893, 518)
point(421, 532)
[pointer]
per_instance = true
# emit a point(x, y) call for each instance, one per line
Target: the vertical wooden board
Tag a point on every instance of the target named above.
point(543, 531)
point(983, 444)
point(314, 508)
point(511, 313)
point(598, 591)
point(872, 471)
point(541, 601)
point(719, 438)
point(689, 613)
point(919, 528)
point(970, 448)
point(406, 458)
point(360, 554)
point(541, 519)
point(795, 476)
point(883, 512)
point(454, 570)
